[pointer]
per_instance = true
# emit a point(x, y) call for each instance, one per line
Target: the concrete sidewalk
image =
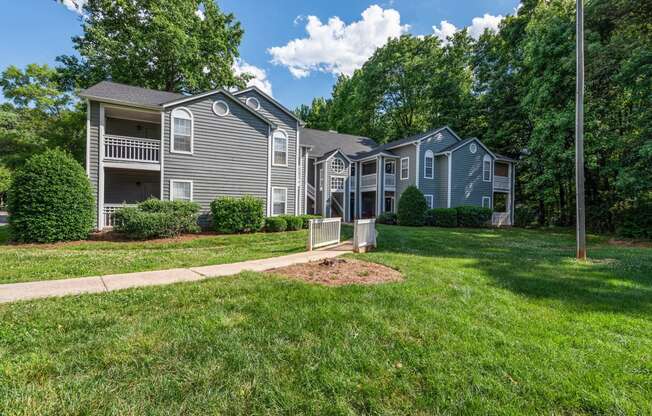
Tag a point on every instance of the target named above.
point(96, 284)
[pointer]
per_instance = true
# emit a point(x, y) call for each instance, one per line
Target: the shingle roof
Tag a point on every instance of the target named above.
point(456, 145)
point(128, 94)
point(324, 142)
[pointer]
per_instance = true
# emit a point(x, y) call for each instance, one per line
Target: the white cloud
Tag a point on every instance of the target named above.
point(259, 75)
point(477, 28)
point(336, 47)
point(300, 18)
point(74, 5)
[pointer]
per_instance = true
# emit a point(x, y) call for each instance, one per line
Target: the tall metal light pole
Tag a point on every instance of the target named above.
point(579, 135)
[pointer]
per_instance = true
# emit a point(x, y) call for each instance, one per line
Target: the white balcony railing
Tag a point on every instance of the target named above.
point(368, 181)
point(110, 209)
point(390, 180)
point(502, 182)
point(500, 219)
point(132, 149)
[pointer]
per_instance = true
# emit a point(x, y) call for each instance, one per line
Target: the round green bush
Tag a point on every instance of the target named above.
point(275, 224)
point(294, 223)
point(306, 219)
point(389, 218)
point(237, 215)
point(50, 199)
point(412, 207)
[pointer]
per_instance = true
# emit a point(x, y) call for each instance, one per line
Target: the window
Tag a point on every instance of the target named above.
point(180, 190)
point(429, 201)
point(221, 108)
point(389, 204)
point(486, 168)
point(369, 168)
point(182, 131)
point(473, 148)
point(337, 184)
point(405, 168)
point(279, 201)
point(486, 202)
point(253, 102)
point(429, 165)
point(337, 165)
point(390, 167)
point(280, 149)
point(352, 169)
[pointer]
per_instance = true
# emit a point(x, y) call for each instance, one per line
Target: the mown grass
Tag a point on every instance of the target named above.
point(21, 263)
point(486, 322)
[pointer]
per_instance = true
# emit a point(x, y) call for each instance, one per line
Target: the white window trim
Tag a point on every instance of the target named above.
point(485, 159)
point(430, 201)
point(285, 211)
point(393, 163)
point(393, 203)
point(287, 151)
point(337, 172)
point(486, 198)
point(428, 155)
point(228, 109)
point(192, 131)
point(407, 159)
point(257, 107)
point(173, 181)
point(331, 177)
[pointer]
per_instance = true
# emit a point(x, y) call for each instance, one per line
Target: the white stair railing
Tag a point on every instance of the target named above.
point(324, 232)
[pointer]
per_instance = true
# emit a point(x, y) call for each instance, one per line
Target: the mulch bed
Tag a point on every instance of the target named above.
point(338, 272)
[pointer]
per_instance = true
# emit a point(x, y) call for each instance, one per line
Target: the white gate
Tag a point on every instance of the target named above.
point(324, 232)
point(364, 235)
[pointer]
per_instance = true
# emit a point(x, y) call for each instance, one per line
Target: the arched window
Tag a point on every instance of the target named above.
point(429, 165)
point(337, 165)
point(280, 145)
point(182, 131)
point(486, 168)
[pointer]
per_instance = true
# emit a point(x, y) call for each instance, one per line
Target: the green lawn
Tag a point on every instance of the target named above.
point(22, 263)
point(486, 322)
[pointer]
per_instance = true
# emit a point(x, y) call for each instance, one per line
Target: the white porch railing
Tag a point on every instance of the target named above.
point(108, 211)
point(132, 149)
point(390, 180)
point(502, 182)
point(364, 234)
point(368, 181)
point(500, 219)
point(324, 232)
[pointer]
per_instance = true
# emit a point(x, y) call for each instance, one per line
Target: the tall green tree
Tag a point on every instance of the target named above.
point(181, 46)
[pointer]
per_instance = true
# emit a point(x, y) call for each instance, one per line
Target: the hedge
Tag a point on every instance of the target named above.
point(412, 207)
point(441, 217)
point(50, 199)
point(237, 215)
point(472, 216)
point(306, 219)
point(157, 219)
point(294, 223)
point(275, 224)
point(389, 218)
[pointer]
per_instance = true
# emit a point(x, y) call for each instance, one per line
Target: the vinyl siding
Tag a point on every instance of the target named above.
point(409, 151)
point(230, 155)
point(94, 163)
point(440, 185)
point(468, 188)
point(282, 176)
point(433, 186)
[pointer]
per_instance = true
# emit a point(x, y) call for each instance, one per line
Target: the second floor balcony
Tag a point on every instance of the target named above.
point(131, 149)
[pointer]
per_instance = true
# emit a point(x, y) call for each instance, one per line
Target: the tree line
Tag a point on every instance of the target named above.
point(515, 90)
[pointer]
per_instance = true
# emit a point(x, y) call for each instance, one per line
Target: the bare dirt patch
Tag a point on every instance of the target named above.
point(338, 272)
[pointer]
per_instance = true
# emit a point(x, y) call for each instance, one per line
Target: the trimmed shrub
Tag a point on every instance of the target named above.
point(389, 218)
point(275, 224)
point(412, 207)
point(441, 217)
point(157, 219)
point(524, 216)
point(471, 216)
point(306, 219)
point(294, 223)
point(237, 215)
point(50, 199)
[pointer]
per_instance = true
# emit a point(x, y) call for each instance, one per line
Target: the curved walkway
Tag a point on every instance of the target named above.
point(97, 284)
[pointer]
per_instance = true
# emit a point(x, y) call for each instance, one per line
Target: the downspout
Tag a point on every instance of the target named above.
point(100, 181)
point(450, 177)
point(418, 173)
point(162, 151)
point(269, 169)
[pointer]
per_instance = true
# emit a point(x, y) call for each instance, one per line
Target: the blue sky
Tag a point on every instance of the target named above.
point(296, 48)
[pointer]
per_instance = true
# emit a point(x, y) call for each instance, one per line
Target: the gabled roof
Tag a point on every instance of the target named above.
point(419, 137)
point(109, 91)
point(459, 145)
point(272, 100)
point(505, 158)
point(324, 142)
point(332, 153)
